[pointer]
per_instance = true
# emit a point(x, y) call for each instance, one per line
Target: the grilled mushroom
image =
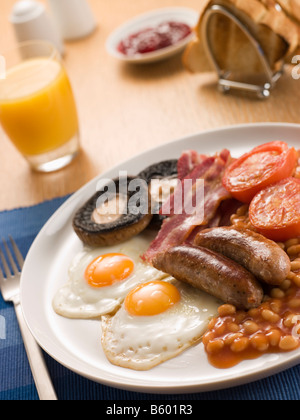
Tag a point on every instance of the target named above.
point(162, 180)
point(113, 215)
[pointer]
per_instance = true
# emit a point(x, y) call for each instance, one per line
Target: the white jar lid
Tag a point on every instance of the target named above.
point(26, 10)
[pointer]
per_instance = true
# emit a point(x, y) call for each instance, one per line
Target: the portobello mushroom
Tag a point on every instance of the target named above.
point(166, 175)
point(114, 214)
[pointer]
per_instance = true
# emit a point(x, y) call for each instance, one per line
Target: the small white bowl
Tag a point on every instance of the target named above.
point(154, 18)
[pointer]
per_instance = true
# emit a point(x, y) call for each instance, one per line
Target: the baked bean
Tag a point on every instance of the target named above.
point(232, 337)
point(226, 310)
point(232, 327)
point(289, 320)
point(253, 313)
point(240, 344)
point(212, 323)
point(243, 210)
point(274, 337)
point(296, 280)
point(215, 346)
point(260, 342)
point(250, 327)
point(270, 316)
point(295, 265)
point(293, 250)
point(276, 305)
point(277, 293)
point(208, 336)
point(288, 343)
point(220, 328)
point(294, 303)
point(291, 276)
point(291, 242)
point(240, 317)
point(286, 284)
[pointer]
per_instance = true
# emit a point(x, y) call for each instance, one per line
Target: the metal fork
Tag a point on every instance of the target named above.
point(10, 289)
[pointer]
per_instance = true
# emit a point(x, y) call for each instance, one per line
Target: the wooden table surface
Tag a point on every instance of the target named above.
point(127, 109)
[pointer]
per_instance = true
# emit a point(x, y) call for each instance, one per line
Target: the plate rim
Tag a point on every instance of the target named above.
point(152, 56)
point(133, 384)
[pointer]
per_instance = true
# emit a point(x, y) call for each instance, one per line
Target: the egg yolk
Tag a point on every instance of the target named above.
point(108, 269)
point(151, 299)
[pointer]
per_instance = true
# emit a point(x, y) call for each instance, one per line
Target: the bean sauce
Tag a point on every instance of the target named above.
point(273, 327)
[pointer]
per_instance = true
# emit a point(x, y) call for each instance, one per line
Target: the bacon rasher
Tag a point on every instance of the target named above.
point(177, 228)
point(188, 162)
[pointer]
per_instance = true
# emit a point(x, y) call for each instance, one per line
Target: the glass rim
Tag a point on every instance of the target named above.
point(38, 42)
point(17, 55)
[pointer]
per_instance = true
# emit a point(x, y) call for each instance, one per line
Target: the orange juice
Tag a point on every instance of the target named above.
point(37, 107)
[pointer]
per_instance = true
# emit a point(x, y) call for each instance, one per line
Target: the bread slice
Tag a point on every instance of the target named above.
point(292, 9)
point(282, 25)
point(195, 58)
point(276, 34)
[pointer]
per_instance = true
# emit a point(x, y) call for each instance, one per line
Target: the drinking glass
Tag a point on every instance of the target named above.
point(37, 106)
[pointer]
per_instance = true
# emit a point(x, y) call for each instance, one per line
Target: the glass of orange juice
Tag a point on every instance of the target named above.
point(37, 106)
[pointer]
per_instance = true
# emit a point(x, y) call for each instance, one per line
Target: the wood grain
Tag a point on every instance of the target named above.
point(127, 109)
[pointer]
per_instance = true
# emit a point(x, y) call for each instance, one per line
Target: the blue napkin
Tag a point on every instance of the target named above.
point(16, 382)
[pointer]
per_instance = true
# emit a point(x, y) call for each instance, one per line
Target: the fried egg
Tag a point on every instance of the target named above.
point(100, 279)
point(157, 321)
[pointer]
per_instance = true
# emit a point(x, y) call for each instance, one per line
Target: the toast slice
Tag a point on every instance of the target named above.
point(276, 34)
point(292, 9)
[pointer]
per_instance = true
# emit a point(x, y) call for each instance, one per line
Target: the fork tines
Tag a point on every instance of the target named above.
point(14, 269)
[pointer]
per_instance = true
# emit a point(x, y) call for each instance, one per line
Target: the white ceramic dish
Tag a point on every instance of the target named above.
point(147, 20)
point(77, 344)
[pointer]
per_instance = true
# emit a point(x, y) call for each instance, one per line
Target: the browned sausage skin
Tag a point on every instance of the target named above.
point(211, 273)
point(262, 257)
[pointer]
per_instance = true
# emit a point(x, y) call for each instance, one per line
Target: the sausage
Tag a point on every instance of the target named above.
point(211, 273)
point(259, 255)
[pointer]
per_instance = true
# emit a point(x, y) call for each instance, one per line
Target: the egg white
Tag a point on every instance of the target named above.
point(78, 300)
point(141, 343)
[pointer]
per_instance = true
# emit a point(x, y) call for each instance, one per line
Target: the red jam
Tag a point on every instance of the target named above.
point(152, 39)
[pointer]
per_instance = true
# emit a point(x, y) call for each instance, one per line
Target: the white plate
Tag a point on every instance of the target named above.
point(178, 14)
point(77, 344)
